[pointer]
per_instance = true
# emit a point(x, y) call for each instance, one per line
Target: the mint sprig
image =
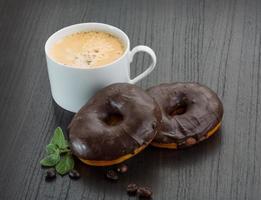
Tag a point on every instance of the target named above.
point(58, 154)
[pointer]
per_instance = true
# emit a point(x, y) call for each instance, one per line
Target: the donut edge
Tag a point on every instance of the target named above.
point(104, 163)
point(175, 145)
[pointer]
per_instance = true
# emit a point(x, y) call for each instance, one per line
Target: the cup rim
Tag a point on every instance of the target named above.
point(88, 23)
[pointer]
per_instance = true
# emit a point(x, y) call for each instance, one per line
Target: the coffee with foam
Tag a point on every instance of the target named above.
point(87, 49)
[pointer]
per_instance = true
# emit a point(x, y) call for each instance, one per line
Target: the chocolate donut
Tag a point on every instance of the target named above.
point(190, 113)
point(117, 123)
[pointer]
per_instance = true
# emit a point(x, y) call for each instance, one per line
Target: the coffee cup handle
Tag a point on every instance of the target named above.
point(149, 51)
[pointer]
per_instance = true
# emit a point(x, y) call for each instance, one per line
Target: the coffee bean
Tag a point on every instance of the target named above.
point(74, 174)
point(144, 192)
point(122, 168)
point(191, 141)
point(112, 175)
point(132, 189)
point(50, 174)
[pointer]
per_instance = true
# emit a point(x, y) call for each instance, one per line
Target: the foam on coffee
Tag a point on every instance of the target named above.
point(87, 49)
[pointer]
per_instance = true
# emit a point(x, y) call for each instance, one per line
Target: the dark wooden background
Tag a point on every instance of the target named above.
point(216, 43)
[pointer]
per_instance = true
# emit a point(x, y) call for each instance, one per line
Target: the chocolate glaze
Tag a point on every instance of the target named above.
point(95, 136)
point(189, 110)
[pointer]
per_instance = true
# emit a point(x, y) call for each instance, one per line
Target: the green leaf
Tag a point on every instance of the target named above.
point(64, 150)
point(58, 139)
point(65, 165)
point(66, 143)
point(51, 148)
point(51, 160)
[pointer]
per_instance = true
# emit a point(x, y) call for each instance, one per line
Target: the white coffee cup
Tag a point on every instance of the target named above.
point(72, 87)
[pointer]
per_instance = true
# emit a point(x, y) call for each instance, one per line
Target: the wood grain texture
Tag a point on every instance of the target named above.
point(217, 43)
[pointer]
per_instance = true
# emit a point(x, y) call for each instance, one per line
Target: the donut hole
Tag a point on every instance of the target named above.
point(113, 118)
point(178, 109)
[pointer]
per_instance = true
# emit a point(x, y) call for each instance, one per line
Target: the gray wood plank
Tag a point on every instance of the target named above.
point(216, 43)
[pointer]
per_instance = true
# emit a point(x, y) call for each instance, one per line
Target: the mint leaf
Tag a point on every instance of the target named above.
point(64, 150)
point(51, 160)
point(51, 148)
point(65, 165)
point(66, 143)
point(58, 139)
